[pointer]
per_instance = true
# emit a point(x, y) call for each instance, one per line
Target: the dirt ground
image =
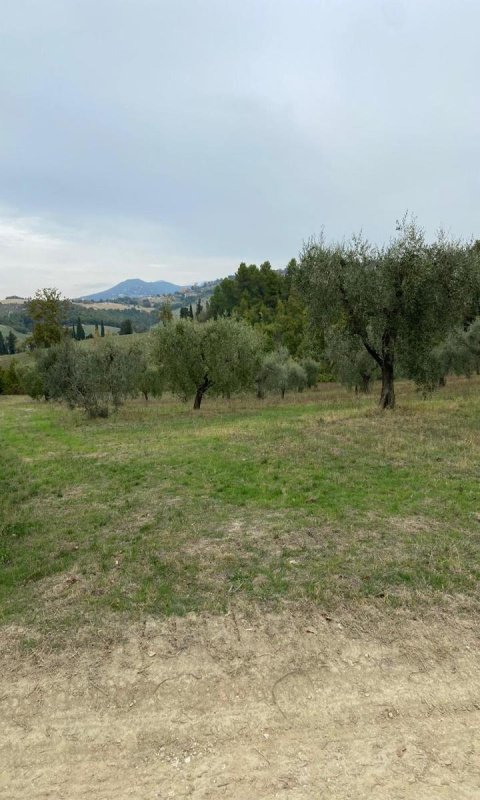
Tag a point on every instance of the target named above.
point(292, 705)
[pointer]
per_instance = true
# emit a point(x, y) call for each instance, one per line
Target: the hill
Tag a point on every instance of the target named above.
point(133, 287)
point(5, 329)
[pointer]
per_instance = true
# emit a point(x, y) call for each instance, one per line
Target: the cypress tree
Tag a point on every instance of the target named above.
point(102, 328)
point(11, 343)
point(80, 330)
point(126, 327)
point(3, 346)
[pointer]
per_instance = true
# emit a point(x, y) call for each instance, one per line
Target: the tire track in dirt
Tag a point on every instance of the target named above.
point(288, 706)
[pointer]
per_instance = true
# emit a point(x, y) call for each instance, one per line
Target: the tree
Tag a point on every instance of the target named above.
point(12, 383)
point(3, 345)
point(79, 331)
point(126, 327)
point(165, 313)
point(95, 378)
point(11, 343)
point(279, 372)
point(198, 308)
point(397, 301)
point(350, 362)
point(102, 329)
point(96, 330)
point(48, 311)
point(221, 356)
point(266, 298)
point(151, 382)
point(459, 354)
point(312, 371)
point(31, 381)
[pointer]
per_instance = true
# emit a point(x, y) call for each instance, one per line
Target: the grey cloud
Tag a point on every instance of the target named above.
point(235, 129)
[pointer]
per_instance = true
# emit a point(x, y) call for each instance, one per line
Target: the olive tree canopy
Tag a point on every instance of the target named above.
point(397, 301)
point(220, 355)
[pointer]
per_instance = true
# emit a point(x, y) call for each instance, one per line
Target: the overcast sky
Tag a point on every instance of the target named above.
point(172, 139)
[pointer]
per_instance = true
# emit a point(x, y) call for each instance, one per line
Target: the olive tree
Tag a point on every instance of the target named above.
point(94, 378)
point(396, 301)
point(459, 354)
point(312, 371)
point(221, 356)
point(350, 362)
point(279, 372)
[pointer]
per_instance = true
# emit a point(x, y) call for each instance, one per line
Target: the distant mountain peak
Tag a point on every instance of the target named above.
point(133, 287)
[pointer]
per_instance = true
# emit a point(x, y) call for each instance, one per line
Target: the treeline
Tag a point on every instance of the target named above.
point(221, 357)
point(24, 322)
point(141, 321)
point(269, 300)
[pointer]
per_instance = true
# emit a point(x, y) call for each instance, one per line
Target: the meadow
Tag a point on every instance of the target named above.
point(320, 498)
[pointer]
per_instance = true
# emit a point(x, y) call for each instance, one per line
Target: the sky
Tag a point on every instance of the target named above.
point(173, 139)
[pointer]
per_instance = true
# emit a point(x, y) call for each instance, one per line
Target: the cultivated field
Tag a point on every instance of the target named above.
point(109, 306)
point(258, 600)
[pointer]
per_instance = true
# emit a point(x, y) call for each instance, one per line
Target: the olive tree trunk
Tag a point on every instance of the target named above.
point(201, 389)
point(387, 396)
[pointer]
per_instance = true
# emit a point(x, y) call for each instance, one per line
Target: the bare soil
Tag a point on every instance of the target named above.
point(251, 707)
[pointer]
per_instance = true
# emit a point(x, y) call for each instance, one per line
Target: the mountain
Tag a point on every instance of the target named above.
point(134, 287)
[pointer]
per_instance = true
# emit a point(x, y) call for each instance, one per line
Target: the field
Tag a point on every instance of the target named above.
point(109, 306)
point(245, 595)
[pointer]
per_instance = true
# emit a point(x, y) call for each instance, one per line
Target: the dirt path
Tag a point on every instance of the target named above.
point(288, 706)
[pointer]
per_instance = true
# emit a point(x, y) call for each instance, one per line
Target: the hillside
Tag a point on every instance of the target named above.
point(134, 287)
point(5, 329)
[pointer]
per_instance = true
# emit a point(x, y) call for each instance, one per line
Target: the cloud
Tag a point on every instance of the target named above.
point(196, 135)
point(34, 253)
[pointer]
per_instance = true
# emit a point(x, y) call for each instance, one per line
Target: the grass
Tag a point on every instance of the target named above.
point(161, 510)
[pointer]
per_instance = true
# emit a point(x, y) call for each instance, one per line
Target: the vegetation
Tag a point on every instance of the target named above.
point(96, 379)
point(267, 299)
point(279, 372)
point(126, 327)
point(163, 511)
point(397, 302)
point(221, 356)
point(49, 312)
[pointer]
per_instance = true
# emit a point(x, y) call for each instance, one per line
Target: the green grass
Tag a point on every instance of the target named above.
point(161, 510)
